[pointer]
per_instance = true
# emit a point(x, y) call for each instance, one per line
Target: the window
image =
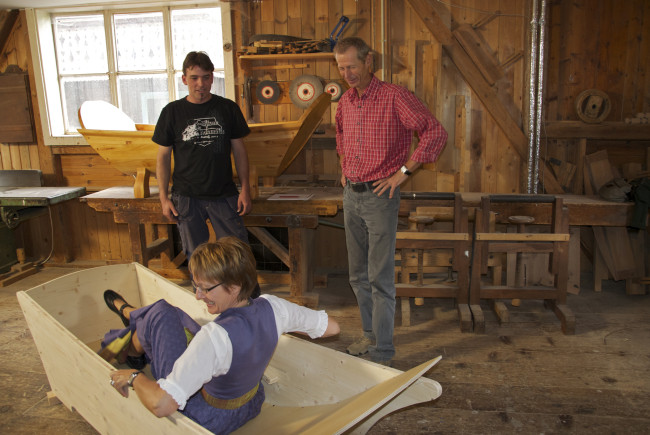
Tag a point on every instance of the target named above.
point(130, 58)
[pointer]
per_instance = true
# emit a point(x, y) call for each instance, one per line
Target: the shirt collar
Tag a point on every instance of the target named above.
point(371, 90)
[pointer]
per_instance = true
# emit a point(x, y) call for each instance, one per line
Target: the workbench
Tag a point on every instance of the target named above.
point(151, 236)
point(151, 233)
point(584, 210)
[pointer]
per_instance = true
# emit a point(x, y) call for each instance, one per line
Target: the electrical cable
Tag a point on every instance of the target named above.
point(40, 263)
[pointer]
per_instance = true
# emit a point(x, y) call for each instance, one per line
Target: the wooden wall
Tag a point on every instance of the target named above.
point(478, 157)
point(93, 236)
point(601, 44)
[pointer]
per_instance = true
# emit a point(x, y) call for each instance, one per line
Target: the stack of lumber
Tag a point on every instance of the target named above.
point(615, 246)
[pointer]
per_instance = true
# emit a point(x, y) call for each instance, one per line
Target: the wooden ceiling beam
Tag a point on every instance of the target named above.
point(7, 20)
point(475, 79)
point(486, 93)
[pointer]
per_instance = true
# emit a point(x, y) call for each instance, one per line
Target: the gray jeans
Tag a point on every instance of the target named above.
point(192, 216)
point(370, 230)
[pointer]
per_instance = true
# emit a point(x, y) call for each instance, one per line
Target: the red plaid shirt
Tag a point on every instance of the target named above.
point(374, 131)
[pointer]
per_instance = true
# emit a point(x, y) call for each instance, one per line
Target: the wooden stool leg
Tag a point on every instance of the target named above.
point(405, 278)
point(420, 301)
point(419, 223)
point(406, 311)
point(520, 274)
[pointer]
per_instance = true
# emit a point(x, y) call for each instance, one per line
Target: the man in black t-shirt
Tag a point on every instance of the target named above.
point(202, 130)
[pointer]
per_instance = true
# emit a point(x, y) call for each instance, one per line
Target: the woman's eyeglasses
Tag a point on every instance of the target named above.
point(205, 292)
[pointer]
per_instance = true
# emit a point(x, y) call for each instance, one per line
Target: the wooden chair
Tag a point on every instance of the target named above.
point(556, 243)
point(458, 241)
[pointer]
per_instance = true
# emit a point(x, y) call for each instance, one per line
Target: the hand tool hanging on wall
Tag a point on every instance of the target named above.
point(334, 89)
point(343, 21)
point(267, 92)
point(247, 98)
point(304, 90)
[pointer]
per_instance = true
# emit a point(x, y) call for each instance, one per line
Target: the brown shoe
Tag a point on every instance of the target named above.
point(359, 347)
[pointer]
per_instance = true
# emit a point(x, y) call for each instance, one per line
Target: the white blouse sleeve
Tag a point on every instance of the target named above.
point(290, 317)
point(209, 354)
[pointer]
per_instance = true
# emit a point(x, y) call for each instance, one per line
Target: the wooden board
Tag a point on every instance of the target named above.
point(68, 315)
point(613, 243)
point(16, 120)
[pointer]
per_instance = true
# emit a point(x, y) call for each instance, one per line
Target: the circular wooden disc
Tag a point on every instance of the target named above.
point(593, 106)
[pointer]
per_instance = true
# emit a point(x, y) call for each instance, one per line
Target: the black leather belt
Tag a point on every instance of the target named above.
point(362, 186)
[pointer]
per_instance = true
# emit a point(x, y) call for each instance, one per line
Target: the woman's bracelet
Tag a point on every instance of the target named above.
point(132, 378)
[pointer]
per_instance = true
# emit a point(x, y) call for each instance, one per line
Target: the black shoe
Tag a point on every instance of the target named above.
point(109, 297)
point(136, 362)
point(257, 291)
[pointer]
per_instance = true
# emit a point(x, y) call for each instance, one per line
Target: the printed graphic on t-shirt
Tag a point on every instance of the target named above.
point(203, 131)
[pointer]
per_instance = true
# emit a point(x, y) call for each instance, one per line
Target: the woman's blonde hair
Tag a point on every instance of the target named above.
point(229, 261)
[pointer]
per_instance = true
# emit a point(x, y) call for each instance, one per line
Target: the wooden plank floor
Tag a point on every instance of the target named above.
point(525, 377)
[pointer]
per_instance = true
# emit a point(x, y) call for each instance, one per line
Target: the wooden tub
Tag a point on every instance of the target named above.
point(309, 388)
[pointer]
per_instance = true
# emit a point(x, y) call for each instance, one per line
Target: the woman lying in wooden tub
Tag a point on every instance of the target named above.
point(226, 358)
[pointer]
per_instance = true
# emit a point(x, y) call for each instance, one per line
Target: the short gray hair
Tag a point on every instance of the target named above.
point(363, 49)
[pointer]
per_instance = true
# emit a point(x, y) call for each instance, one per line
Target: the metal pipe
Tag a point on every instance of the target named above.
point(540, 93)
point(532, 96)
point(428, 195)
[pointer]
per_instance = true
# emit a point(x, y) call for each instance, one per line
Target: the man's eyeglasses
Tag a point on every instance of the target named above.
point(205, 292)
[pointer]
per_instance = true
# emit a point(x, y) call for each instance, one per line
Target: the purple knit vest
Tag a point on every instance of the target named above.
point(254, 337)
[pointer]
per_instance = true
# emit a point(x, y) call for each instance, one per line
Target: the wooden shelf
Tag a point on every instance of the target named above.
point(602, 131)
point(287, 56)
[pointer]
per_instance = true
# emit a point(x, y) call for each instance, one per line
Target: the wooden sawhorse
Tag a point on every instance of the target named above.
point(556, 242)
point(459, 242)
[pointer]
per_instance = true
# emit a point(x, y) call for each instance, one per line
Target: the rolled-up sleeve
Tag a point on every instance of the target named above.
point(290, 317)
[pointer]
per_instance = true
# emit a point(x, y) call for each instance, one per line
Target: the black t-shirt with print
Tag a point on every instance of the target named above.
point(200, 135)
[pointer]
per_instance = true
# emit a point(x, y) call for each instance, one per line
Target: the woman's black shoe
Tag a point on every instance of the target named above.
point(257, 291)
point(109, 297)
point(136, 362)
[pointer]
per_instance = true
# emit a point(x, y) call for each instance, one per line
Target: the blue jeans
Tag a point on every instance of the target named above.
point(370, 231)
point(192, 216)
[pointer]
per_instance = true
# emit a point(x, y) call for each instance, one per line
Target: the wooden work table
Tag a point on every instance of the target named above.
point(151, 235)
point(583, 210)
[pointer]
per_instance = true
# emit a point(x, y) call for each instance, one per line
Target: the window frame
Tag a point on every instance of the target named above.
point(43, 55)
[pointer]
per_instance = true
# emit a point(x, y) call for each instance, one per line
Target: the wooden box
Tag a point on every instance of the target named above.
point(309, 388)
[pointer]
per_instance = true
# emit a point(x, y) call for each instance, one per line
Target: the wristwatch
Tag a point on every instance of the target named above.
point(405, 170)
point(132, 378)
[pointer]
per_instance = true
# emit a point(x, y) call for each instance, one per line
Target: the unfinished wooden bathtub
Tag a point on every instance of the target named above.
point(309, 388)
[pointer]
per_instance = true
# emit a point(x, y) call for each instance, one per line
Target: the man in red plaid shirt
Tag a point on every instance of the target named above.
point(375, 121)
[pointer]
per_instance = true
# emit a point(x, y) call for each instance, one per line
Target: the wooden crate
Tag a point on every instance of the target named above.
point(308, 387)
